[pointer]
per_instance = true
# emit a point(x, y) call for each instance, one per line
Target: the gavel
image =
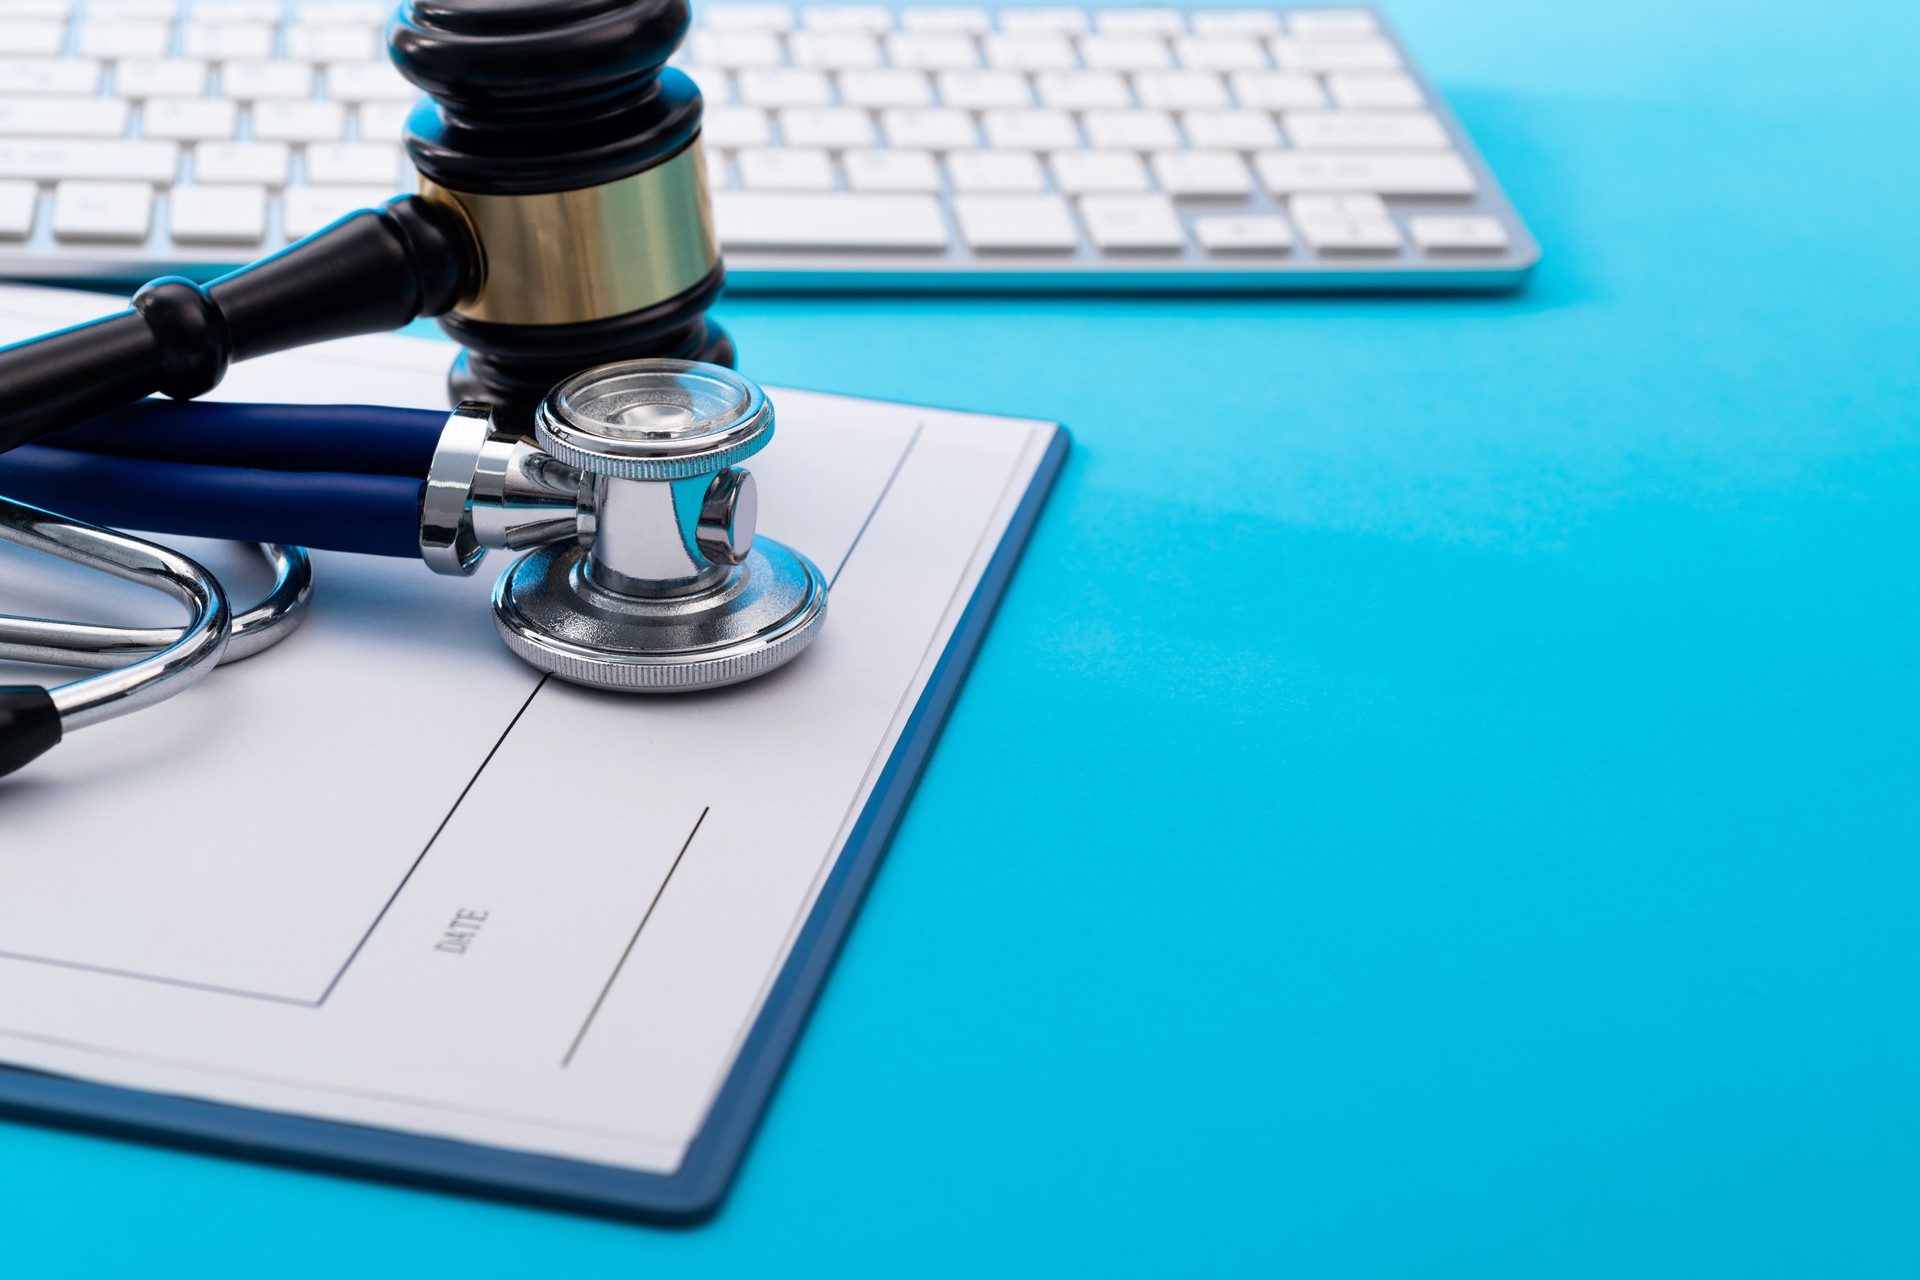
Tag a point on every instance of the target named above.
point(562, 222)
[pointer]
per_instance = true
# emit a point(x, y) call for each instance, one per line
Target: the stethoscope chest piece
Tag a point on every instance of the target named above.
point(666, 589)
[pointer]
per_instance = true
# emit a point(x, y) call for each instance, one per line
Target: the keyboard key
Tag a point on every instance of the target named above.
point(932, 51)
point(784, 87)
point(736, 127)
point(1334, 55)
point(1030, 130)
point(132, 10)
point(49, 159)
point(19, 203)
point(1458, 235)
point(835, 128)
point(383, 121)
point(872, 18)
point(1043, 22)
point(1276, 90)
point(368, 82)
point(748, 17)
point(226, 214)
point(265, 163)
point(1230, 130)
point(1132, 130)
point(261, 81)
point(1385, 91)
point(218, 43)
point(1132, 223)
point(886, 89)
point(310, 121)
point(115, 211)
point(1082, 90)
point(1336, 24)
point(1234, 22)
point(996, 171)
point(733, 50)
point(842, 220)
point(936, 130)
point(1125, 53)
point(1365, 131)
point(52, 117)
point(357, 13)
point(784, 169)
point(834, 50)
point(1219, 53)
point(1177, 89)
point(159, 78)
point(1031, 53)
point(307, 209)
point(1259, 233)
point(1029, 223)
point(1337, 235)
point(1437, 173)
point(1079, 172)
point(715, 85)
point(1139, 22)
point(42, 39)
point(1345, 223)
point(189, 119)
point(123, 40)
point(50, 75)
point(349, 164)
point(891, 171)
point(1337, 206)
point(971, 21)
point(1218, 174)
point(217, 12)
point(977, 90)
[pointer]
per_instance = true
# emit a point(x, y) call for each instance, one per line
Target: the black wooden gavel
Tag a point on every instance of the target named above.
point(562, 222)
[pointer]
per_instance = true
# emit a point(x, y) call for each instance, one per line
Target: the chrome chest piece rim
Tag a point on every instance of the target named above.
point(554, 616)
point(654, 420)
point(666, 589)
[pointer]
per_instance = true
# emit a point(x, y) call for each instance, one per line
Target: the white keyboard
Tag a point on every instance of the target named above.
point(849, 146)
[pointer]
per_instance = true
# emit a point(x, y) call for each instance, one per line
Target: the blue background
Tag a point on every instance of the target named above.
point(1440, 796)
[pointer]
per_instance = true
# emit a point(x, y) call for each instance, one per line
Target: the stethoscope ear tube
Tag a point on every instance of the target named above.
point(101, 646)
point(24, 732)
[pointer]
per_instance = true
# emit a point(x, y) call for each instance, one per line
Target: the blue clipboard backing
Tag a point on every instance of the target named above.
point(696, 1190)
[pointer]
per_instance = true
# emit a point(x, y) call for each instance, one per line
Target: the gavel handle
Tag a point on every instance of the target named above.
point(370, 272)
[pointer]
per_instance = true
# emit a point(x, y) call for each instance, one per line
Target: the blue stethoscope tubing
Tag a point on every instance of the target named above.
point(338, 477)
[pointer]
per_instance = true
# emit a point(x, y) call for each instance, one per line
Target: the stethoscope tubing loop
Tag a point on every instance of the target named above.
point(151, 679)
point(88, 644)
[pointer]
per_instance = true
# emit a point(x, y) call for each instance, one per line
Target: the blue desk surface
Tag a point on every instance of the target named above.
point(1440, 797)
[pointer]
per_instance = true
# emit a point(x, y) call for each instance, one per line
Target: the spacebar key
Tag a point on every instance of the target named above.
point(756, 220)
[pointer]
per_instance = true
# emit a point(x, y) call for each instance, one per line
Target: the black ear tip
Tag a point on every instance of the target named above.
point(29, 725)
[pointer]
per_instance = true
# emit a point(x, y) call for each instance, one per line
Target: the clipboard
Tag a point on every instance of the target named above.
point(129, 1087)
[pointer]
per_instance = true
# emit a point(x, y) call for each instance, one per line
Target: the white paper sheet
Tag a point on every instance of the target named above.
point(386, 874)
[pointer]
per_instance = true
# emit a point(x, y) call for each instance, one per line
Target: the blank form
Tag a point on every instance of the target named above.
point(387, 875)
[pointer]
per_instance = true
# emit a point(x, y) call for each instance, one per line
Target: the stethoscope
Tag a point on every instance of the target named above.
point(641, 570)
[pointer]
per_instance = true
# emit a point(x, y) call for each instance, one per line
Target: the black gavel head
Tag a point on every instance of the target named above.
point(555, 133)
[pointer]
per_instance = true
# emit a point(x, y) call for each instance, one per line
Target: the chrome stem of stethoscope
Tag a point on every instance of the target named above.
point(147, 680)
point(87, 644)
